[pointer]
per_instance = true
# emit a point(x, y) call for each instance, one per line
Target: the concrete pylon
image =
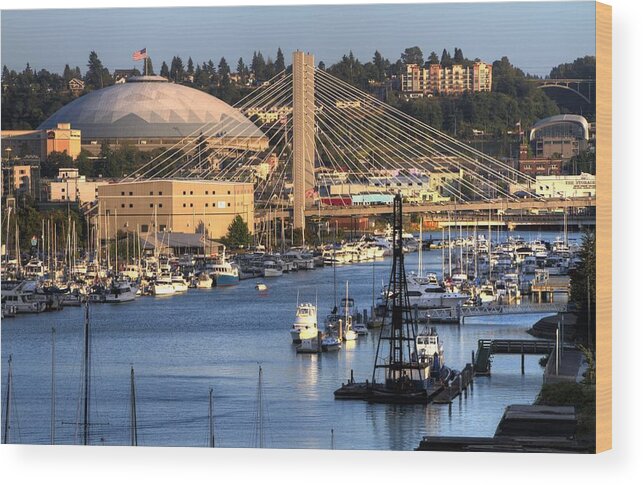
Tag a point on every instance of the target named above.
point(303, 168)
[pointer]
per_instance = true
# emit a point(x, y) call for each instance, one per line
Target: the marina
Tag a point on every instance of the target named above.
point(184, 344)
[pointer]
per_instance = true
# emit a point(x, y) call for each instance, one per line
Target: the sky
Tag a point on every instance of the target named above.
point(534, 36)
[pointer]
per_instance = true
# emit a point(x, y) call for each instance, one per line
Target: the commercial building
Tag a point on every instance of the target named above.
point(185, 206)
point(452, 80)
point(21, 176)
point(559, 136)
point(60, 137)
point(541, 166)
point(148, 112)
point(69, 186)
point(564, 186)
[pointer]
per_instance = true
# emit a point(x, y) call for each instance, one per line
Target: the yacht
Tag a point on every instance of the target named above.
point(163, 285)
point(261, 287)
point(120, 292)
point(305, 326)
point(34, 269)
point(179, 284)
point(426, 292)
point(360, 328)
point(348, 333)
point(18, 299)
point(331, 343)
point(487, 294)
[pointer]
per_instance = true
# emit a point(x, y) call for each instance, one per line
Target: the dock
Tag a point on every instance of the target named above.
point(456, 387)
point(488, 347)
point(459, 314)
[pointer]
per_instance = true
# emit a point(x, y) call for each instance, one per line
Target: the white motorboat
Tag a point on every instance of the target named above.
point(163, 286)
point(203, 280)
point(19, 299)
point(331, 343)
point(360, 328)
point(120, 292)
point(261, 287)
point(305, 326)
point(179, 284)
point(271, 269)
point(430, 354)
point(426, 292)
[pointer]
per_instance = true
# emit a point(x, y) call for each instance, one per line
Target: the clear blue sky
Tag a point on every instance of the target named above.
point(535, 36)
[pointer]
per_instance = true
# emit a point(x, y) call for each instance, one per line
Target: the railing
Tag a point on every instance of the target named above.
point(460, 313)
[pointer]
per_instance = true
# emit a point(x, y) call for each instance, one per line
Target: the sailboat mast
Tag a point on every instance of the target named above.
point(420, 249)
point(53, 386)
point(133, 425)
point(260, 407)
point(7, 406)
point(210, 422)
point(86, 369)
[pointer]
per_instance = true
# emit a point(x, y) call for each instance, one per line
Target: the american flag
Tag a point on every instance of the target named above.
point(140, 55)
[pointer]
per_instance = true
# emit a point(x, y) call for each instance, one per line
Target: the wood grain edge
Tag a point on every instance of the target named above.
point(603, 227)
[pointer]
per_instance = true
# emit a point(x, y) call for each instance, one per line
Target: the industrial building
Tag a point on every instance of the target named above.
point(183, 206)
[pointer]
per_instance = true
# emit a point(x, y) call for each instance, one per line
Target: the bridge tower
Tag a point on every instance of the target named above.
point(303, 167)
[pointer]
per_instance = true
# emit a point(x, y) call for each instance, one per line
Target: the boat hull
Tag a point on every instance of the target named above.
point(226, 280)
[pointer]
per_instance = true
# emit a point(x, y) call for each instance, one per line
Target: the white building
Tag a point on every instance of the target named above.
point(70, 186)
point(564, 186)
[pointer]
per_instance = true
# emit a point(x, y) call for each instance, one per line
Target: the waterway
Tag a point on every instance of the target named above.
point(182, 345)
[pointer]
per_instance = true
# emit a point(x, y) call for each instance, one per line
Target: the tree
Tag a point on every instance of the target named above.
point(165, 71)
point(241, 71)
point(280, 63)
point(190, 66)
point(458, 57)
point(148, 68)
point(446, 58)
point(176, 69)
point(581, 68)
point(55, 160)
point(258, 67)
point(412, 55)
point(379, 64)
point(433, 58)
point(583, 286)
point(97, 76)
point(238, 235)
point(321, 66)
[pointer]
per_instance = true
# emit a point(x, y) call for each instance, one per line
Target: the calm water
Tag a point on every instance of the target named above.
point(182, 345)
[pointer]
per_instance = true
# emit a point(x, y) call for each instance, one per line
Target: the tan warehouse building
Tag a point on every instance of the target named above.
point(178, 206)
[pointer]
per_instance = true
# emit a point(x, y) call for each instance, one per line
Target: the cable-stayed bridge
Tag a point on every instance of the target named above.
point(326, 141)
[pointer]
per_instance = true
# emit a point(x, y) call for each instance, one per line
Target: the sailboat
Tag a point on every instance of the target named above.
point(349, 333)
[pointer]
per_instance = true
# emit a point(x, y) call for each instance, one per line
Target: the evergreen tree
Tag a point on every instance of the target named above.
point(259, 67)
point(412, 55)
point(190, 66)
point(280, 63)
point(433, 58)
point(165, 71)
point(321, 66)
point(238, 235)
point(270, 69)
point(380, 66)
point(446, 59)
point(149, 68)
point(177, 71)
point(458, 57)
point(241, 71)
point(97, 76)
point(67, 75)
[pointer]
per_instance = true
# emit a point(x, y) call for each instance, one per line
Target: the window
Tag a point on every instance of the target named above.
point(184, 192)
point(131, 193)
point(191, 204)
point(122, 193)
point(151, 206)
point(160, 205)
point(190, 192)
point(122, 206)
point(151, 192)
point(184, 205)
point(206, 204)
point(206, 192)
point(160, 193)
point(131, 205)
point(162, 227)
point(228, 204)
point(228, 192)
point(144, 228)
point(62, 197)
point(63, 189)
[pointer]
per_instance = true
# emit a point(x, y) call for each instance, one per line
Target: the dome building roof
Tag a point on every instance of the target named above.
point(151, 107)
